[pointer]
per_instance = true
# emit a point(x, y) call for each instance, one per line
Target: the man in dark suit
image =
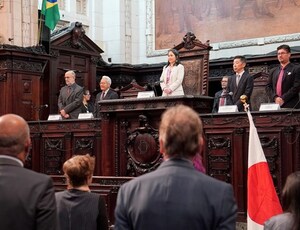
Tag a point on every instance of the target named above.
point(27, 199)
point(176, 195)
point(222, 97)
point(70, 97)
point(241, 83)
point(106, 94)
point(284, 81)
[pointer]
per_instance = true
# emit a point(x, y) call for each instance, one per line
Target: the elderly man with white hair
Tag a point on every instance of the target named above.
point(106, 94)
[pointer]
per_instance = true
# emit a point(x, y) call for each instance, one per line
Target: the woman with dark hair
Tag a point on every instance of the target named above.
point(86, 106)
point(290, 219)
point(172, 75)
point(77, 207)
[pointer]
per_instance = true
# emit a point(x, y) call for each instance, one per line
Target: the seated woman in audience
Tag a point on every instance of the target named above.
point(290, 219)
point(86, 106)
point(77, 207)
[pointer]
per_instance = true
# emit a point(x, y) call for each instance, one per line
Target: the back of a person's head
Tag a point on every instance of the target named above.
point(291, 197)
point(180, 131)
point(14, 135)
point(78, 169)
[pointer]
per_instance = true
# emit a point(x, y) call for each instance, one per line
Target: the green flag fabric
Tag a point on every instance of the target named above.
point(51, 12)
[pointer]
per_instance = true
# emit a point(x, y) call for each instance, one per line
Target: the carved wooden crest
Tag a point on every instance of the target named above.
point(143, 149)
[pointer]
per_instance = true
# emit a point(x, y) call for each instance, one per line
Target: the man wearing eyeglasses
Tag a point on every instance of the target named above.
point(70, 97)
point(284, 81)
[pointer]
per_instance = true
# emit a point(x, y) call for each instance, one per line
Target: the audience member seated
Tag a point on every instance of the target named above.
point(290, 219)
point(176, 195)
point(222, 97)
point(79, 208)
point(27, 199)
point(86, 106)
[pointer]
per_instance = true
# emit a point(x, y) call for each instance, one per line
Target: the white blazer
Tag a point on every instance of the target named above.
point(175, 82)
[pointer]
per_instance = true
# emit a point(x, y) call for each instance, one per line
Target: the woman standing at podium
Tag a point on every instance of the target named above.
point(172, 75)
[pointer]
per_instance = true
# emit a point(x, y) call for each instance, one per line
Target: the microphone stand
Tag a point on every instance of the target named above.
point(152, 86)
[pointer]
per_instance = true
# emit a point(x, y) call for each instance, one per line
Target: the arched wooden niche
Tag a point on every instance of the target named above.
point(194, 55)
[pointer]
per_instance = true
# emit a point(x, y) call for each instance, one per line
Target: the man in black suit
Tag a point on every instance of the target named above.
point(241, 83)
point(106, 94)
point(284, 81)
point(27, 198)
point(70, 97)
point(176, 195)
point(222, 97)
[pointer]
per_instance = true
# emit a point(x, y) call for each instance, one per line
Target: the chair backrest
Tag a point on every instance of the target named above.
point(194, 56)
point(131, 90)
point(259, 94)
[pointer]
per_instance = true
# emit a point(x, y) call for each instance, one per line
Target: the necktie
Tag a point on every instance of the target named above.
point(279, 83)
point(238, 77)
point(222, 101)
point(69, 90)
point(102, 95)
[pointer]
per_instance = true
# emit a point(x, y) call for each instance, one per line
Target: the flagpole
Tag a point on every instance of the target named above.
point(40, 29)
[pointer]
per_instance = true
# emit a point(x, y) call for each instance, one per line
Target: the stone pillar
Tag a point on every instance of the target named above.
point(19, 22)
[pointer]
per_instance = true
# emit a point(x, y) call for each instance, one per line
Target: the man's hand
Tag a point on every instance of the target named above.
point(279, 100)
point(64, 114)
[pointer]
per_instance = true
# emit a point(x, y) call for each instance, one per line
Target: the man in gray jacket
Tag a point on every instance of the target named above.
point(176, 196)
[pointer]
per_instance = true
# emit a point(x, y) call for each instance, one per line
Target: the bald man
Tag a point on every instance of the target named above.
point(70, 97)
point(27, 198)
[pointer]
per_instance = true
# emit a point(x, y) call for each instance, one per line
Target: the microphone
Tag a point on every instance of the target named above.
point(226, 94)
point(44, 106)
point(158, 82)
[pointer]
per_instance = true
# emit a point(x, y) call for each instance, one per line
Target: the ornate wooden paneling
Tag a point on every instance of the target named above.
point(57, 141)
point(125, 142)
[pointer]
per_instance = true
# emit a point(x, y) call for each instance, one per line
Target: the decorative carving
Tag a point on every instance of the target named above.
point(53, 156)
point(189, 40)
point(3, 76)
point(39, 50)
point(54, 53)
point(27, 86)
point(219, 158)
point(77, 35)
point(84, 144)
point(143, 149)
point(21, 65)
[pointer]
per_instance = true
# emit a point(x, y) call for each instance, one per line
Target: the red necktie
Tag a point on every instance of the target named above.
point(279, 83)
point(222, 101)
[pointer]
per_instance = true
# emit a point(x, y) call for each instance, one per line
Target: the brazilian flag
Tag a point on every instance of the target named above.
point(51, 12)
